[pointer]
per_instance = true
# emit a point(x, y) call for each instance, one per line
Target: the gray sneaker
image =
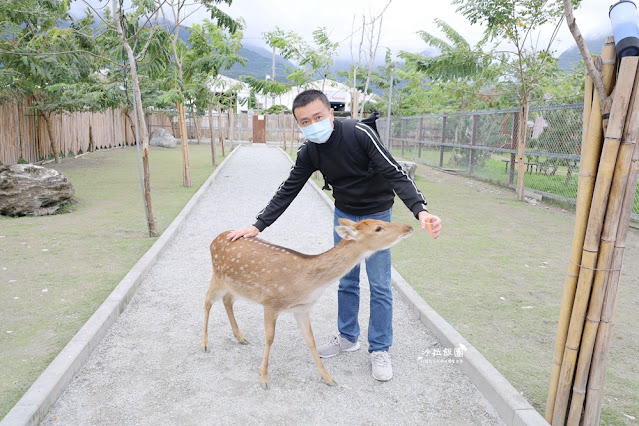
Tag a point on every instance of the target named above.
point(381, 363)
point(335, 346)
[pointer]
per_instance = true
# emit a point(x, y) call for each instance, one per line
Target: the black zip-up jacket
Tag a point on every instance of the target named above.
point(363, 183)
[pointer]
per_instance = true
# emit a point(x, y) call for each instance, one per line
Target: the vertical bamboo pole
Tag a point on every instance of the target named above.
point(590, 152)
point(604, 332)
point(608, 237)
point(603, 182)
point(213, 153)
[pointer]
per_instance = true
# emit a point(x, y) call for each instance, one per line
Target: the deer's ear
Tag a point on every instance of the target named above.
point(346, 222)
point(346, 232)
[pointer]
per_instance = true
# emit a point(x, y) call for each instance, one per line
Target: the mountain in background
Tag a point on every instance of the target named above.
point(572, 56)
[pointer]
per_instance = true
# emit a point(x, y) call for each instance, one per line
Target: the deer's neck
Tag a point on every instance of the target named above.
point(336, 262)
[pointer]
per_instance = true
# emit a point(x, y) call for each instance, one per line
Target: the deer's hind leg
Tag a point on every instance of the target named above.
point(228, 305)
point(214, 289)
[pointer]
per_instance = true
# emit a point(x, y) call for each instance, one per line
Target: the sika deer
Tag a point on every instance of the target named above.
point(285, 280)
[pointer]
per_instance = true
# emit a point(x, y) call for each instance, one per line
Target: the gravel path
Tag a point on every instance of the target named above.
point(149, 369)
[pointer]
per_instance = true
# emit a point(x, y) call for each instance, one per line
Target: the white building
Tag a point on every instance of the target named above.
point(339, 94)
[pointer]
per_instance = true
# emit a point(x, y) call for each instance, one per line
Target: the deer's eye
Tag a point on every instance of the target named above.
point(379, 228)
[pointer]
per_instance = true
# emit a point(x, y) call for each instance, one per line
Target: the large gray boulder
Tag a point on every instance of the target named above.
point(409, 167)
point(163, 138)
point(29, 190)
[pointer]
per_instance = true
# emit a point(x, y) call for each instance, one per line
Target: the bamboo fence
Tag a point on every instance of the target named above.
point(24, 137)
point(606, 190)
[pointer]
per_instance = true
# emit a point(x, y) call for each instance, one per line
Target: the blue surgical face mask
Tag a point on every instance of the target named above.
point(318, 132)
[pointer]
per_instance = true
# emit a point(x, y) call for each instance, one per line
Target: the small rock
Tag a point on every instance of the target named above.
point(12, 281)
point(16, 298)
point(502, 297)
point(527, 266)
point(9, 331)
point(629, 416)
point(44, 290)
point(526, 307)
point(45, 249)
point(4, 268)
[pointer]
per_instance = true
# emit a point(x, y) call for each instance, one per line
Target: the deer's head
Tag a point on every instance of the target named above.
point(373, 235)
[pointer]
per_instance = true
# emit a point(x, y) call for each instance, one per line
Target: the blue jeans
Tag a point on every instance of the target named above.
point(378, 269)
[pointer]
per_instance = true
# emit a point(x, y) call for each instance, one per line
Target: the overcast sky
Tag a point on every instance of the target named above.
point(402, 20)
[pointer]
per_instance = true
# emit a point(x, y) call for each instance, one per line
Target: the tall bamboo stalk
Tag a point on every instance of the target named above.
point(600, 358)
point(603, 182)
point(590, 152)
point(608, 238)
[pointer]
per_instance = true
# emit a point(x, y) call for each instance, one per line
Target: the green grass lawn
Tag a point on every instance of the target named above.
point(55, 271)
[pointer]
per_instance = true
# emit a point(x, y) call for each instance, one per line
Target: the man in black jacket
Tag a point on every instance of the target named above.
point(365, 179)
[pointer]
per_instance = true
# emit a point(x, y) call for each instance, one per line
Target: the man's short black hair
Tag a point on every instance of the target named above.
point(308, 96)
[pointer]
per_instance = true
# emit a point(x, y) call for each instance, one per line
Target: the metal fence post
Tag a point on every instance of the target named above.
point(403, 134)
point(473, 139)
point(420, 136)
point(441, 151)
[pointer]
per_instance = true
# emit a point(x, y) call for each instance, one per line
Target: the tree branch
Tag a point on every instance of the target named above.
point(585, 53)
point(6, 52)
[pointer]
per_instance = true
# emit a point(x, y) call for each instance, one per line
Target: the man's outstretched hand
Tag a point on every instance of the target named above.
point(431, 221)
point(249, 231)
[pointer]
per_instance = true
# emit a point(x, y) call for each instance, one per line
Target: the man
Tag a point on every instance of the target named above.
point(365, 178)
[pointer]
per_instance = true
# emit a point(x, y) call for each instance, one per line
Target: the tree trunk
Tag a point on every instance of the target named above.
point(521, 146)
point(197, 131)
point(219, 126)
point(231, 128)
point(143, 135)
point(213, 154)
point(186, 167)
point(46, 115)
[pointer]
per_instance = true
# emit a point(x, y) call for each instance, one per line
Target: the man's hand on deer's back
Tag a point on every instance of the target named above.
point(249, 231)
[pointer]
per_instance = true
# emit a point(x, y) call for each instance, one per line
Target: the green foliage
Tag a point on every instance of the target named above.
point(277, 109)
point(311, 62)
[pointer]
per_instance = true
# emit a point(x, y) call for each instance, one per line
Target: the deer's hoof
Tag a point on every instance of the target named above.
point(264, 386)
point(205, 349)
point(332, 383)
point(244, 342)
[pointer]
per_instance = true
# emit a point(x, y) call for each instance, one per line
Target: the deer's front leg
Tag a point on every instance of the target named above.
point(270, 319)
point(304, 321)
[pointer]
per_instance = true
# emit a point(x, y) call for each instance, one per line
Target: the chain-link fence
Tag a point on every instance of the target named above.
point(484, 144)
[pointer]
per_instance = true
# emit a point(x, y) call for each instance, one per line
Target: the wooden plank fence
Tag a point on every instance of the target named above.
point(24, 137)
